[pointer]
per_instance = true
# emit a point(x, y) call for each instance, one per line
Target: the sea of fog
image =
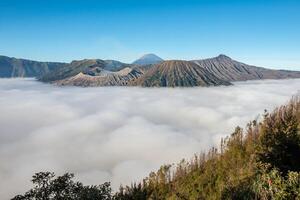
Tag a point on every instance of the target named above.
point(118, 134)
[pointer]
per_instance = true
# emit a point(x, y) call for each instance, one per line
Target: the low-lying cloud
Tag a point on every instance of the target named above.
point(118, 134)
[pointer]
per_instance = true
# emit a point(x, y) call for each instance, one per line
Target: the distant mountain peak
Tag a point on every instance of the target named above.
point(148, 59)
point(223, 56)
point(150, 55)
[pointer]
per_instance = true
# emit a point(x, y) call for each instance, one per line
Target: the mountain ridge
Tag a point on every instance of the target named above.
point(228, 69)
point(220, 70)
point(19, 67)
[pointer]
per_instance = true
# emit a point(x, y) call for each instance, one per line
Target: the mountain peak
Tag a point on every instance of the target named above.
point(148, 59)
point(150, 55)
point(223, 56)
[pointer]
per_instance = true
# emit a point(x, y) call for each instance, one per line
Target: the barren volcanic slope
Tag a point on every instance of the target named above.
point(75, 67)
point(92, 72)
point(14, 67)
point(178, 73)
point(104, 78)
point(220, 70)
point(230, 70)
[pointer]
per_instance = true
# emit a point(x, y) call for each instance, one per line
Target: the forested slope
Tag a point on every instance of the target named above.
point(260, 162)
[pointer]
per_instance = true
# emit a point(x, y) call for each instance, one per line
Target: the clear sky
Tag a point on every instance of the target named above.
point(264, 33)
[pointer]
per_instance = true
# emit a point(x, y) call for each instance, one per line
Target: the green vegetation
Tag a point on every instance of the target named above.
point(261, 162)
point(47, 187)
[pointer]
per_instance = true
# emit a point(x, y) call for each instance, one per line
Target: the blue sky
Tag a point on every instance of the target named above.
point(264, 33)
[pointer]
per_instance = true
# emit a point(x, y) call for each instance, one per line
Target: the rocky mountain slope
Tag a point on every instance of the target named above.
point(114, 65)
point(13, 67)
point(92, 67)
point(228, 69)
point(148, 59)
point(220, 70)
point(176, 73)
point(104, 78)
point(87, 66)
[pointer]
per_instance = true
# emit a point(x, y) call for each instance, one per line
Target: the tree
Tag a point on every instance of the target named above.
point(47, 187)
point(270, 184)
point(136, 191)
point(279, 140)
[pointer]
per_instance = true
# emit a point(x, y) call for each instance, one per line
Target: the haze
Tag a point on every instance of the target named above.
point(118, 134)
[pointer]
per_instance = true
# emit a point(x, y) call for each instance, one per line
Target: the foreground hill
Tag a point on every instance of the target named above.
point(177, 73)
point(14, 67)
point(259, 163)
point(228, 69)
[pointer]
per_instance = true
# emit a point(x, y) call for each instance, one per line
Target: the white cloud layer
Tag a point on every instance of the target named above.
point(118, 134)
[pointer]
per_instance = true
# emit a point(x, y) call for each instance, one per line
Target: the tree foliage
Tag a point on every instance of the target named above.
point(261, 162)
point(47, 187)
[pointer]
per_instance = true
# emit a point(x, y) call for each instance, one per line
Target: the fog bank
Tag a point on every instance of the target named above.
point(118, 134)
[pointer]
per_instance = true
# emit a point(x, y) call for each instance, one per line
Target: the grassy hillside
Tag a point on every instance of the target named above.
point(261, 162)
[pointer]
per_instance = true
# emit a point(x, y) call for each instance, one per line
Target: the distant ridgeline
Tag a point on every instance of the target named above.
point(261, 162)
point(148, 71)
point(13, 67)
